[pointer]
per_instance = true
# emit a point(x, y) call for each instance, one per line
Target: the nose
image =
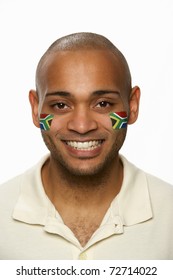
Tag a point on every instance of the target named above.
point(82, 121)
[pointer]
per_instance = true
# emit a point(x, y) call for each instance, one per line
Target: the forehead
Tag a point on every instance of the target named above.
point(99, 68)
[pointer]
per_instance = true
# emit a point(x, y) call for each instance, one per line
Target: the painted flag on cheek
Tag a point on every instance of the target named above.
point(45, 121)
point(119, 120)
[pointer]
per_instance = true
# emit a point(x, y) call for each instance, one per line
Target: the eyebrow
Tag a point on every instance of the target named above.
point(102, 92)
point(95, 93)
point(58, 93)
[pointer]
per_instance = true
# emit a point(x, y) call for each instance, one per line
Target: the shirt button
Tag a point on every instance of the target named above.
point(83, 256)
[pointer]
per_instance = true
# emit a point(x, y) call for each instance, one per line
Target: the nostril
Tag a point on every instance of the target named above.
point(82, 124)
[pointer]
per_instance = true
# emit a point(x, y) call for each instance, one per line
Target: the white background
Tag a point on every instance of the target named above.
point(141, 29)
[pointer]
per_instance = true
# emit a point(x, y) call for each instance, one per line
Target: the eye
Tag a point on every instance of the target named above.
point(103, 104)
point(60, 105)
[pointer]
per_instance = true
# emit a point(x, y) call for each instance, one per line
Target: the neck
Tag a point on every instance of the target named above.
point(63, 187)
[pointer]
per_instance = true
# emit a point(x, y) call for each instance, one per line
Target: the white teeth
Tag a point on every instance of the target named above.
point(88, 145)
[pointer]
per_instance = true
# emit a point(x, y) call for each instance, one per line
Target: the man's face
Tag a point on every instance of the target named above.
point(80, 89)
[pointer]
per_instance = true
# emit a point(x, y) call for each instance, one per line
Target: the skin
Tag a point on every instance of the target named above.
point(81, 88)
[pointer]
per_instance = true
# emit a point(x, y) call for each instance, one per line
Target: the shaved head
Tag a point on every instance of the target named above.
point(83, 41)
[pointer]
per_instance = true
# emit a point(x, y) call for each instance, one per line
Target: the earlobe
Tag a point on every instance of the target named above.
point(134, 104)
point(33, 98)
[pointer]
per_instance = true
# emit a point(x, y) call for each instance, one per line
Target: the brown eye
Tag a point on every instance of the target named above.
point(60, 105)
point(103, 104)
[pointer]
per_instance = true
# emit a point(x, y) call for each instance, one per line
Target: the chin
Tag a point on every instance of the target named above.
point(86, 169)
point(83, 172)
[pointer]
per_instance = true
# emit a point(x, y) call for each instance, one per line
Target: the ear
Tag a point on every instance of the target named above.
point(34, 101)
point(134, 104)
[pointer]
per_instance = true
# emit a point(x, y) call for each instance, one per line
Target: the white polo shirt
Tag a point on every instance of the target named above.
point(138, 224)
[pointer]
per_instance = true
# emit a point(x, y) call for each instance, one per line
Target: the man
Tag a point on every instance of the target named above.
point(84, 200)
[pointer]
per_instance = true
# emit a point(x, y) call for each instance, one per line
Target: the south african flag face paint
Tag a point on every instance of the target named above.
point(45, 121)
point(119, 120)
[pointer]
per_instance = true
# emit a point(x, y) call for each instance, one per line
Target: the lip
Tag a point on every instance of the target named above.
point(79, 151)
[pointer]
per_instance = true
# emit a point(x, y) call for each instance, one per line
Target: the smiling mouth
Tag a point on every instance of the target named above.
point(85, 146)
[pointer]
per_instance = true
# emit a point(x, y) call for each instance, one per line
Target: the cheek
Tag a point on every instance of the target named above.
point(114, 120)
point(45, 121)
point(58, 123)
point(119, 120)
point(105, 121)
point(50, 122)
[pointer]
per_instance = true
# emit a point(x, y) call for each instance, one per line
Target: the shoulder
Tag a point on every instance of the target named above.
point(160, 192)
point(10, 190)
point(10, 185)
point(152, 181)
point(159, 189)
